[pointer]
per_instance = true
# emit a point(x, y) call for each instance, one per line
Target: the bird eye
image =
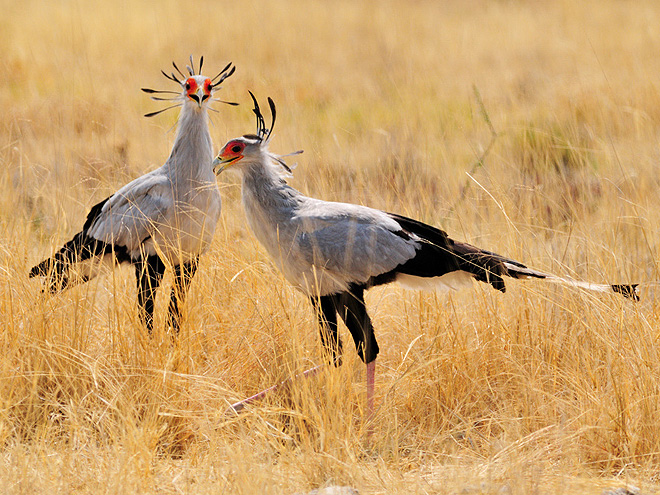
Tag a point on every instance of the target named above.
point(236, 148)
point(208, 86)
point(191, 85)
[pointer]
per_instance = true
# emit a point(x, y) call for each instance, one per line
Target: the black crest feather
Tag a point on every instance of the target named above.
point(263, 133)
point(226, 72)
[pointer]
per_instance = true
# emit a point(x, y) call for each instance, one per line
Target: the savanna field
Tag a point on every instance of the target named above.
point(527, 128)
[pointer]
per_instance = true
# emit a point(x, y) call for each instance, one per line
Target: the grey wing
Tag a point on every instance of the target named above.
point(130, 216)
point(354, 243)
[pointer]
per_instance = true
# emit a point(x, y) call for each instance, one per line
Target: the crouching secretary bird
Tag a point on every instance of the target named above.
point(334, 252)
point(165, 218)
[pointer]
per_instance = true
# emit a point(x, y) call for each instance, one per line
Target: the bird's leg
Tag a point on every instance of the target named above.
point(183, 275)
point(149, 273)
point(238, 406)
point(371, 380)
point(326, 310)
point(354, 313)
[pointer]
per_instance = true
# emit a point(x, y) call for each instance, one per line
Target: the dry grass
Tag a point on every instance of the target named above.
point(539, 390)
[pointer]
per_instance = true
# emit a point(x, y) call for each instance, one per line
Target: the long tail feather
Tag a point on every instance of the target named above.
point(442, 258)
point(518, 271)
point(627, 290)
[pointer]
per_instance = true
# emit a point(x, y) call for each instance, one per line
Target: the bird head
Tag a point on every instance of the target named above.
point(237, 149)
point(250, 147)
point(196, 90)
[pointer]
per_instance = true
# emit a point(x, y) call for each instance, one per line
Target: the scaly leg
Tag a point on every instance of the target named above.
point(325, 308)
point(238, 406)
point(371, 379)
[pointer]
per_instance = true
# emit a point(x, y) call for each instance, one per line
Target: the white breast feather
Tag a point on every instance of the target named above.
point(450, 281)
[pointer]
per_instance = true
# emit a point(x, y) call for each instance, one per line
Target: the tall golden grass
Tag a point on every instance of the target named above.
point(539, 390)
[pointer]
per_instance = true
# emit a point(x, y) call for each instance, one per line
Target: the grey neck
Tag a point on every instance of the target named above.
point(267, 186)
point(192, 152)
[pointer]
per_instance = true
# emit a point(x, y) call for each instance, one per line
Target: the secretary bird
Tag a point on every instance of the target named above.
point(165, 218)
point(334, 252)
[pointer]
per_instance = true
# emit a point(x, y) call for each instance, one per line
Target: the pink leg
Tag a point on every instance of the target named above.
point(371, 378)
point(238, 406)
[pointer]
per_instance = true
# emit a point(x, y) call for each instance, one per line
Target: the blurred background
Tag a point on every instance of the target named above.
point(526, 128)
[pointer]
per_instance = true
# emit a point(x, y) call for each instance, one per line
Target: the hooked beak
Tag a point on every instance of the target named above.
point(198, 96)
point(220, 164)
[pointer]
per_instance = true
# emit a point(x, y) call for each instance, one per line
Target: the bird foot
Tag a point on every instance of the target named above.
point(237, 407)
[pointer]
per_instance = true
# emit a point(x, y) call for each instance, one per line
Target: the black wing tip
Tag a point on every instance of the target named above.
point(631, 291)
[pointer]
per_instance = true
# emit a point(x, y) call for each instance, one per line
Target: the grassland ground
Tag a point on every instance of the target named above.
point(540, 390)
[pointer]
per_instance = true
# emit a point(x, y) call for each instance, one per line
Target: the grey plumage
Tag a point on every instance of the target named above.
point(321, 247)
point(326, 247)
point(166, 217)
point(333, 252)
point(171, 211)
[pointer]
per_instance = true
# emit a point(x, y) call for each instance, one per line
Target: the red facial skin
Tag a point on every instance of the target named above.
point(232, 151)
point(208, 87)
point(192, 89)
point(191, 86)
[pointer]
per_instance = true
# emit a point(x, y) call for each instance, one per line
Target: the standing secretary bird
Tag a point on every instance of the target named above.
point(333, 252)
point(164, 218)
